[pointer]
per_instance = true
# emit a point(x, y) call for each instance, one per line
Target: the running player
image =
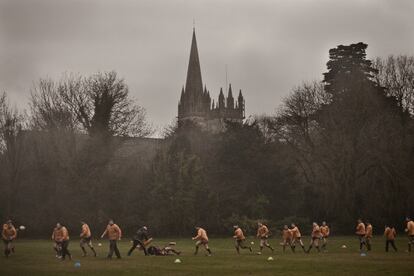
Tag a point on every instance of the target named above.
point(360, 232)
point(86, 239)
point(201, 239)
point(8, 235)
point(287, 237)
point(325, 232)
point(114, 234)
point(389, 235)
point(410, 232)
point(296, 237)
point(263, 234)
point(315, 237)
point(368, 235)
point(239, 239)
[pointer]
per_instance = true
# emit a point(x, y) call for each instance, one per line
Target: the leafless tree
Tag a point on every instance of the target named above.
point(396, 75)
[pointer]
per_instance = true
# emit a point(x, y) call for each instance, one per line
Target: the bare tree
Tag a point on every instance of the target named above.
point(396, 75)
point(102, 105)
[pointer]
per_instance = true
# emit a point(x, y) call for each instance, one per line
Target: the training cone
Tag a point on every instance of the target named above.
point(177, 261)
point(270, 258)
point(363, 254)
point(99, 244)
point(343, 246)
point(251, 242)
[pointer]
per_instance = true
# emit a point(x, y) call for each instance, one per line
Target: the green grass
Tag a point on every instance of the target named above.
point(36, 257)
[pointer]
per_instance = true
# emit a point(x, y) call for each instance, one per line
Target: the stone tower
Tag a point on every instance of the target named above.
point(195, 102)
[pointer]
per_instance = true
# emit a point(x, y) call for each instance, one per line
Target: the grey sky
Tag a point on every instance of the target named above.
point(269, 46)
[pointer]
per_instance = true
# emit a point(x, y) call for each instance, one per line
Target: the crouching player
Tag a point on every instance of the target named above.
point(325, 232)
point(315, 237)
point(61, 237)
point(141, 238)
point(86, 239)
point(8, 235)
point(201, 239)
point(287, 237)
point(239, 239)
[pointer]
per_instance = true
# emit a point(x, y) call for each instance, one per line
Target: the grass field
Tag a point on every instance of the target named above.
point(36, 257)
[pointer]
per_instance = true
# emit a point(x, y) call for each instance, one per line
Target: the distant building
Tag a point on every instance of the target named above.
point(195, 103)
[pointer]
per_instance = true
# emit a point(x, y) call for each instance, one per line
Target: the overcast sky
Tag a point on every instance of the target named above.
point(268, 46)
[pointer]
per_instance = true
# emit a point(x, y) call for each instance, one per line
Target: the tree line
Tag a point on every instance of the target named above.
point(335, 150)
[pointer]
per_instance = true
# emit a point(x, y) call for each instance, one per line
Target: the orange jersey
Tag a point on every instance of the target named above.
point(286, 234)
point(368, 231)
point(201, 235)
point(316, 232)
point(238, 234)
point(325, 231)
point(86, 231)
point(410, 228)
point(390, 233)
point(60, 234)
point(113, 231)
point(8, 233)
point(262, 231)
point(295, 232)
point(360, 229)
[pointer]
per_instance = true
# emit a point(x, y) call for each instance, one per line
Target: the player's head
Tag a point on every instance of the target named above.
point(259, 224)
point(324, 223)
point(9, 222)
point(293, 224)
point(314, 224)
point(285, 227)
point(359, 220)
point(58, 225)
point(407, 219)
point(111, 222)
point(235, 226)
point(367, 222)
point(82, 222)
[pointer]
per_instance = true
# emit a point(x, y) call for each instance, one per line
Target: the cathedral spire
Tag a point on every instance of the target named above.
point(194, 83)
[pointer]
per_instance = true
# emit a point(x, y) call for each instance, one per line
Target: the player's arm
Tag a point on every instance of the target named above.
point(119, 231)
point(104, 233)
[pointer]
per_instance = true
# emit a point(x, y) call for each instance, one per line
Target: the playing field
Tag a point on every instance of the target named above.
point(36, 257)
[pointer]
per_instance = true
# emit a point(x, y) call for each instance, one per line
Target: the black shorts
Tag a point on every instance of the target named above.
point(86, 240)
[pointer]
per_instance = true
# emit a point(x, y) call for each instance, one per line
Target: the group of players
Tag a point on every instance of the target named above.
point(290, 237)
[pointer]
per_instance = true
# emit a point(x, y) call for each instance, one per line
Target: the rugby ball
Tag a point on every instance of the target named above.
point(21, 227)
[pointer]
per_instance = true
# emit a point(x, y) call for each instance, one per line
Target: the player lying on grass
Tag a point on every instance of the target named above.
point(325, 232)
point(263, 234)
point(140, 239)
point(201, 239)
point(296, 237)
point(286, 238)
point(315, 237)
point(61, 237)
point(164, 251)
point(114, 234)
point(390, 234)
point(86, 238)
point(8, 235)
point(410, 233)
point(239, 239)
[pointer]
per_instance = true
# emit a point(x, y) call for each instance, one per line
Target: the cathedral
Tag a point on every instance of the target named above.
point(196, 105)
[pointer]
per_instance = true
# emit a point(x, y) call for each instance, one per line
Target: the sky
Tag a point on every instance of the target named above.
point(268, 47)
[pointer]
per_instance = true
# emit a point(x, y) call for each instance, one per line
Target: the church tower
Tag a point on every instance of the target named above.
point(195, 102)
